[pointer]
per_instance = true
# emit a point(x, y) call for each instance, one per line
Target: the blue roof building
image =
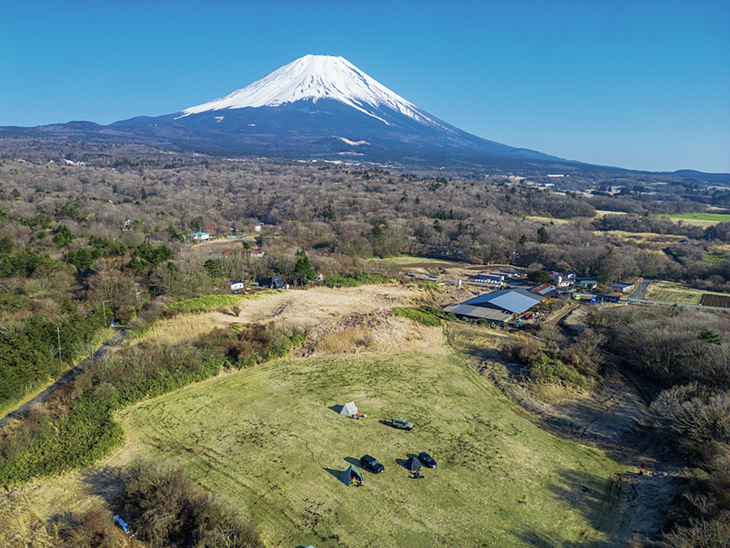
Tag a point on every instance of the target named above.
point(499, 306)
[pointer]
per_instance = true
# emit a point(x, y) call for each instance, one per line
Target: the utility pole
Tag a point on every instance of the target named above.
point(58, 332)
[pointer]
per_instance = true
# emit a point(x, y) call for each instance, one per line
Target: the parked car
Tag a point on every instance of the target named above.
point(427, 460)
point(372, 464)
point(402, 423)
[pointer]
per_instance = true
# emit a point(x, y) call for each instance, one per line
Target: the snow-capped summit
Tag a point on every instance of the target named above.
point(318, 105)
point(316, 77)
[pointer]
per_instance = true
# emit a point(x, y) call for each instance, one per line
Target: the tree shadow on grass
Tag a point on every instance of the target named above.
point(602, 502)
point(105, 482)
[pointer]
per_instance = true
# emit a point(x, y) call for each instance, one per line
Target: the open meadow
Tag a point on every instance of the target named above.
point(271, 440)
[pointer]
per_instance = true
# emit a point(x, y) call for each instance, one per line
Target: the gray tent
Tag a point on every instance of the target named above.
point(349, 475)
point(413, 464)
point(349, 409)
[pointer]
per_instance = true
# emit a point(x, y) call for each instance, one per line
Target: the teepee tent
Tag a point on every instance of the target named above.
point(413, 464)
point(349, 409)
point(349, 475)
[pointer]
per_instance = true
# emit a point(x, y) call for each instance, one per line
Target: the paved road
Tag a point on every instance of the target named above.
point(66, 378)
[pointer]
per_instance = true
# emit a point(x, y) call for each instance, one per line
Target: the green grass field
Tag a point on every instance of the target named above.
point(270, 440)
point(700, 219)
point(717, 217)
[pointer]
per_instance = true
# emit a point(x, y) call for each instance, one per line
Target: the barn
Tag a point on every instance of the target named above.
point(499, 307)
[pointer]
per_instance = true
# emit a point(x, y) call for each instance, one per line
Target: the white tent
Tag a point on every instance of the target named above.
point(349, 409)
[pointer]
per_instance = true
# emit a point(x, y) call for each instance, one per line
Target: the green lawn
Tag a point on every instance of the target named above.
point(717, 217)
point(268, 439)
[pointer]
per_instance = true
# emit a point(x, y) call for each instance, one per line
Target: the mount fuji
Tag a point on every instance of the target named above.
point(317, 105)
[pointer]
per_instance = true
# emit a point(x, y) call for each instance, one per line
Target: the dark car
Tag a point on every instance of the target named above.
point(372, 464)
point(427, 460)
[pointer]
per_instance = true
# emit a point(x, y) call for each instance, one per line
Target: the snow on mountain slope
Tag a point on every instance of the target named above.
point(316, 77)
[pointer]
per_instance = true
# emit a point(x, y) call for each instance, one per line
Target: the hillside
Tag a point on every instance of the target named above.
point(272, 441)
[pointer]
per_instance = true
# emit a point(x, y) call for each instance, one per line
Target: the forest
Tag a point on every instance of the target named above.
point(91, 235)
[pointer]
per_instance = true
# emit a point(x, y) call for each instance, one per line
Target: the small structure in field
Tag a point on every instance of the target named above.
point(351, 476)
point(201, 236)
point(350, 410)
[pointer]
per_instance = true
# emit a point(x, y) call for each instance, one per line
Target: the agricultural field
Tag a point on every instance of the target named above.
point(667, 292)
point(271, 440)
point(700, 219)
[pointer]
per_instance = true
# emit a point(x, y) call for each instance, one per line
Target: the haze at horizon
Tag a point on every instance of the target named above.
point(639, 85)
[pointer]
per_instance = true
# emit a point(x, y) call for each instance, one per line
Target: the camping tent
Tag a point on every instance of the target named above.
point(349, 475)
point(349, 409)
point(413, 464)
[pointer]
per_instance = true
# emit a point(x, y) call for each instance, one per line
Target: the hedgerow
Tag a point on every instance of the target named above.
point(355, 280)
point(58, 441)
point(417, 315)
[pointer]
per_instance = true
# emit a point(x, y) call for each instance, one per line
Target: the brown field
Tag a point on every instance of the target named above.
point(708, 299)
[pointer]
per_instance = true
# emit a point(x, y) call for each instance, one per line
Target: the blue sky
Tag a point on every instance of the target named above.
point(635, 84)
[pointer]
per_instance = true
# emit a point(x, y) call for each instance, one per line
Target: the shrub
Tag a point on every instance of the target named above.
point(198, 305)
point(164, 508)
point(355, 280)
point(417, 315)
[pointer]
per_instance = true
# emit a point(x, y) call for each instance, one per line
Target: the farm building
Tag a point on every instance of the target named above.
point(489, 278)
point(498, 307)
point(545, 290)
point(587, 284)
point(201, 236)
point(621, 287)
point(257, 252)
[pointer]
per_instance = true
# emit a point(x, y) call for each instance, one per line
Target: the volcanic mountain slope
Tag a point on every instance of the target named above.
point(318, 104)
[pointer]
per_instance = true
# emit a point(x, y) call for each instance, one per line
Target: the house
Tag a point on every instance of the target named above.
point(498, 307)
point(257, 252)
point(236, 285)
point(201, 236)
point(274, 282)
point(621, 287)
point(560, 280)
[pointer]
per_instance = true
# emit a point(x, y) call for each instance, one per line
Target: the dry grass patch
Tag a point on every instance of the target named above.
point(345, 341)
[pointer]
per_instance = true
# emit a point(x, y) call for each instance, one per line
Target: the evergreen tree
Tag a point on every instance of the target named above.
point(303, 267)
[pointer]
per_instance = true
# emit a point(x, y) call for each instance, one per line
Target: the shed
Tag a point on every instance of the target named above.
point(236, 285)
point(621, 286)
point(274, 282)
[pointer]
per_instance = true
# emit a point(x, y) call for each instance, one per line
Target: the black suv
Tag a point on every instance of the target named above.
point(372, 464)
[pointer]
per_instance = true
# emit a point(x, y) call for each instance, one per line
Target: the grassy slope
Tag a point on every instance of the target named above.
point(268, 439)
